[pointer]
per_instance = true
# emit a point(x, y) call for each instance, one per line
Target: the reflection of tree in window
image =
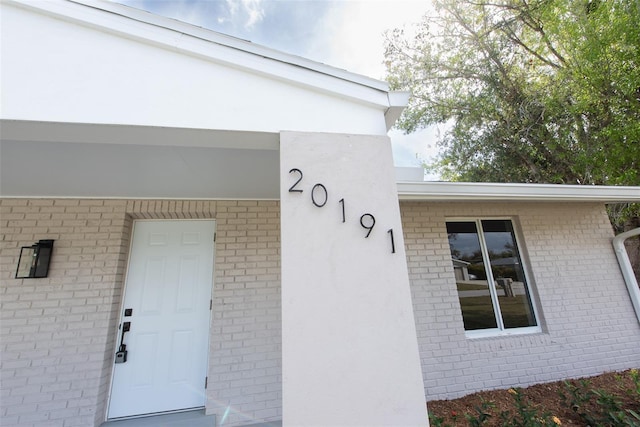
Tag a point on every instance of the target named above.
point(497, 297)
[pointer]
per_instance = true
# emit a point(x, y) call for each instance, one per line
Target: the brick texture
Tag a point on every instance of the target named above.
point(58, 333)
point(588, 323)
point(245, 370)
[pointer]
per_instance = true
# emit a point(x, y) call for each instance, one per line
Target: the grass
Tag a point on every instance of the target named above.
point(470, 287)
point(477, 312)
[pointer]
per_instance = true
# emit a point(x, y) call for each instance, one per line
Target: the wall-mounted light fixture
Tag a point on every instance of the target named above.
point(34, 260)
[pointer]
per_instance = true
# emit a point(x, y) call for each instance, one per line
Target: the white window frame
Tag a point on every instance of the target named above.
point(500, 330)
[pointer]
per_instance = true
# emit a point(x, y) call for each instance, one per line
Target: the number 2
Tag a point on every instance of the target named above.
point(293, 188)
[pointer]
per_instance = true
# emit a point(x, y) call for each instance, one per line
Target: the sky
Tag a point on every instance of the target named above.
point(346, 34)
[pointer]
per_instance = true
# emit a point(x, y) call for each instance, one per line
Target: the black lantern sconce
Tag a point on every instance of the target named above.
point(34, 260)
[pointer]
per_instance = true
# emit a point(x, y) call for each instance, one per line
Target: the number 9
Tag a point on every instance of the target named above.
point(373, 223)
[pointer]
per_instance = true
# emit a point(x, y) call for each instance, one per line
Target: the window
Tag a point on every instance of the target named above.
point(492, 286)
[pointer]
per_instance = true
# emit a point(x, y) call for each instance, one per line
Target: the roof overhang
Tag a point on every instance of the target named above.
point(398, 101)
point(218, 48)
point(477, 191)
point(91, 133)
point(108, 161)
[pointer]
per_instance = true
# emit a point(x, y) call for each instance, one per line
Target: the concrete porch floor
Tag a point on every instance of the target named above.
point(181, 419)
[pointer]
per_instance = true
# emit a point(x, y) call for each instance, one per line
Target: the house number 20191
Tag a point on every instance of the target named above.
point(320, 197)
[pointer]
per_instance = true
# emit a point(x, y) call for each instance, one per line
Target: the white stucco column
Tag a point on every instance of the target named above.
point(349, 346)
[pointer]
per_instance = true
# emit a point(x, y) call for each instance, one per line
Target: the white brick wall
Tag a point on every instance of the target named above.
point(244, 371)
point(588, 322)
point(57, 333)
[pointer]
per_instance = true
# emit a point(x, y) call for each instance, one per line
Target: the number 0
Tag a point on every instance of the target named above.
point(313, 195)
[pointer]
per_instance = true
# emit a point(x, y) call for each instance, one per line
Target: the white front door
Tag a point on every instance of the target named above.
point(167, 302)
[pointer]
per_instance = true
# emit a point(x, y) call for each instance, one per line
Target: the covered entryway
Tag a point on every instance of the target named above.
point(205, 144)
point(167, 308)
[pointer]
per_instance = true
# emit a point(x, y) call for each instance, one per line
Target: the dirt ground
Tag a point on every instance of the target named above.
point(545, 397)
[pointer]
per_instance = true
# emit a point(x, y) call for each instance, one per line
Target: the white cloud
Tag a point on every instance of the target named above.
point(353, 36)
point(250, 12)
point(175, 9)
point(415, 148)
point(233, 6)
point(254, 9)
point(347, 34)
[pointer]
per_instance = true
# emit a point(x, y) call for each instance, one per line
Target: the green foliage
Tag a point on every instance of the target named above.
point(436, 421)
point(601, 408)
point(592, 407)
point(526, 415)
point(624, 216)
point(531, 91)
point(482, 415)
point(577, 397)
point(635, 377)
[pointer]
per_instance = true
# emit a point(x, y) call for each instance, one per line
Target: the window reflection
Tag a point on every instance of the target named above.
point(497, 297)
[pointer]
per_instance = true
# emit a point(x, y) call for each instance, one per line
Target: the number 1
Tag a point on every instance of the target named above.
point(393, 244)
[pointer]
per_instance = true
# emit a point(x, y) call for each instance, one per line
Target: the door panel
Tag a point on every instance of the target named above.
point(187, 289)
point(169, 282)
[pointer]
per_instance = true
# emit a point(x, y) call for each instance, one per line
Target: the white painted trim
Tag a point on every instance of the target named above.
point(531, 287)
point(598, 194)
point(398, 101)
point(216, 47)
point(496, 333)
point(479, 191)
point(627, 270)
point(491, 281)
point(204, 199)
point(39, 131)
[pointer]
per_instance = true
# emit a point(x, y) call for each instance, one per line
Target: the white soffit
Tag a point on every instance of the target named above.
point(35, 131)
point(476, 191)
point(43, 159)
point(213, 46)
point(111, 170)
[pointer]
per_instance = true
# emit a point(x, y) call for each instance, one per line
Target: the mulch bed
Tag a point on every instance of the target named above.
point(545, 397)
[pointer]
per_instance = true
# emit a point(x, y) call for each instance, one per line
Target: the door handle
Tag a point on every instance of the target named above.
point(121, 354)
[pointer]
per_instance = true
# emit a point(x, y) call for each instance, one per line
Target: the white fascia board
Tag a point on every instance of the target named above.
point(212, 46)
point(477, 191)
point(398, 101)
